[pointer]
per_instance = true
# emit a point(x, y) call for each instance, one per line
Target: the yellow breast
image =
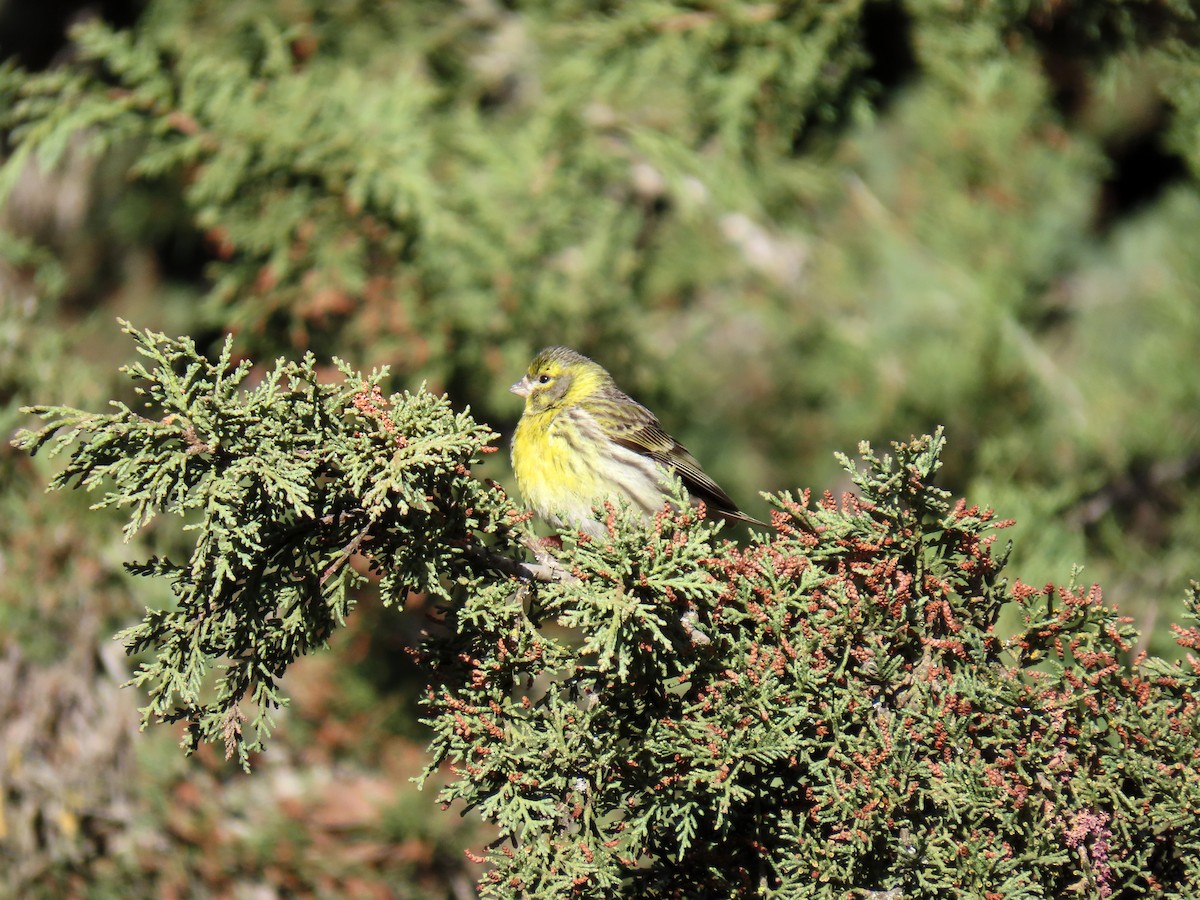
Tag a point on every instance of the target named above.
point(565, 466)
point(556, 465)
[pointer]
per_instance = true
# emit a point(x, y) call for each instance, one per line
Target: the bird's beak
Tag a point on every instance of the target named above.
point(521, 388)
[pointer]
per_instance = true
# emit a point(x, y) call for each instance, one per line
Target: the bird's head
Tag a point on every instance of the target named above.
point(559, 377)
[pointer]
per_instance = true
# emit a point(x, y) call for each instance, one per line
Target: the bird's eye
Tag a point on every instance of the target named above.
point(543, 379)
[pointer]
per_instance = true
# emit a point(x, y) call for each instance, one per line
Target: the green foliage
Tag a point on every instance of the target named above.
point(785, 226)
point(843, 719)
point(395, 191)
point(830, 709)
point(911, 202)
point(283, 482)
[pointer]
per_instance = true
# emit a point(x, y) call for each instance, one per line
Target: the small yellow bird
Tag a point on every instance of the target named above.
point(582, 441)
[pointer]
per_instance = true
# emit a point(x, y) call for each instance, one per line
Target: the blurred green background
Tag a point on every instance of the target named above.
point(785, 227)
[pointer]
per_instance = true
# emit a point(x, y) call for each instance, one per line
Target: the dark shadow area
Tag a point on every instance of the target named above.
point(1142, 169)
point(887, 37)
point(33, 34)
point(1074, 43)
point(886, 31)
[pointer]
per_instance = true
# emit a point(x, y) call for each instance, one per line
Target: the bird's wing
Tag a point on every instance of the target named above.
point(637, 429)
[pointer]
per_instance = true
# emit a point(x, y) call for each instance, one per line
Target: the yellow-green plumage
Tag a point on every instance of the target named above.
point(582, 441)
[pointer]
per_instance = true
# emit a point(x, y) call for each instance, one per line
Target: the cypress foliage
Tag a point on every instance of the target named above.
point(283, 483)
point(808, 222)
point(829, 711)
